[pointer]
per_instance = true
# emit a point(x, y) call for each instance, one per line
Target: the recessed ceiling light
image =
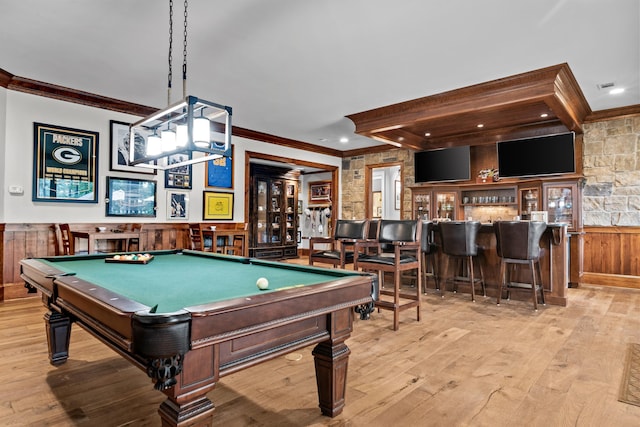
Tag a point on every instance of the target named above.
point(616, 91)
point(401, 138)
point(543, 115)
point(480, 125)
point(344, 139)
point(427, 134)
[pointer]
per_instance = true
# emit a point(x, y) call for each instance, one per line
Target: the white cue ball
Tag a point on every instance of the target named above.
point(262, 283)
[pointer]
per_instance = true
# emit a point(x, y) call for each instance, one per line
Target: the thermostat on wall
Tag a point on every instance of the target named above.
point(16, 189)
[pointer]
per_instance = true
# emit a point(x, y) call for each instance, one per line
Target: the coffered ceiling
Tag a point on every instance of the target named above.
point(540, 102)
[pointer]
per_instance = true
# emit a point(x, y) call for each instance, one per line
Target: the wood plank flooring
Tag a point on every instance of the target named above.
point(464, 364)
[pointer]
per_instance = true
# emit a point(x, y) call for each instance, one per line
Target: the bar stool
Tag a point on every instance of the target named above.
point(459, 242)
point(518, 243)
point(429, 250)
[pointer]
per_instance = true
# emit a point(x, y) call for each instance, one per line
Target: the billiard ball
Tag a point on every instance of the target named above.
point(262, 283)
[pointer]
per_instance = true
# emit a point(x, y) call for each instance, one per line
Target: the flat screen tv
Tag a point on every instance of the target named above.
point(546, 155)
point(445, 164)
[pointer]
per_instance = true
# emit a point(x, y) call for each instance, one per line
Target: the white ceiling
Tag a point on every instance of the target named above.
point(295, 68)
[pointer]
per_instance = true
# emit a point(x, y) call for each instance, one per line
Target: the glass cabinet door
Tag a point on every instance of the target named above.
point(559, 200)
point(422, 206)
point(291, 217)
point(446, 205)
point(261, 216)
point(529, 201)
point(275, 212)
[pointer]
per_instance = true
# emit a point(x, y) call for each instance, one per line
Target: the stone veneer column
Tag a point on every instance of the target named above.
point(611, 196)
point(353, 171)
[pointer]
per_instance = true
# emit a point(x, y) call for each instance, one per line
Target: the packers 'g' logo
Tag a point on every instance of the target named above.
point(67, 155)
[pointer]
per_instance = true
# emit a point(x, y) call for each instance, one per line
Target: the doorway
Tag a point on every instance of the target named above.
point(383, 200)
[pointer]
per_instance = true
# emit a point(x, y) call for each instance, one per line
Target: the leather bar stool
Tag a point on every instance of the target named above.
point(429, 251)
point(518, 243)
point(458, 240)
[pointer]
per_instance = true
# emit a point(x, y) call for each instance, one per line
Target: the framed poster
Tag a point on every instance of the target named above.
point(217, 205)
point(130, 197)
point(179, 177)
point(219, 172)
point(319, 191)
point(65, 164)
point(177, 205)
point(119, 149)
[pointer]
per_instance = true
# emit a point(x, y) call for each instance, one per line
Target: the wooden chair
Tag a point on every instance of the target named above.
point(134, 242)
point(195, 235)
point(339, 249)
point(238, 242)
point(64, 240)
point(404, 237)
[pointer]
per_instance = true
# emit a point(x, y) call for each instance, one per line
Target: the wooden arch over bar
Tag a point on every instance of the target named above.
point(507, 108)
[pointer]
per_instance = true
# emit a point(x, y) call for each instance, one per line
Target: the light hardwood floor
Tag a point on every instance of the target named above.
point(464, 364)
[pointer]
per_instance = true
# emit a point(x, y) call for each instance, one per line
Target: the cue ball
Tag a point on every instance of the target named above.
point(262, 283)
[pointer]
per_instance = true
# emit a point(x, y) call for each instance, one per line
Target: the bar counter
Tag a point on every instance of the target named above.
point(554, 264)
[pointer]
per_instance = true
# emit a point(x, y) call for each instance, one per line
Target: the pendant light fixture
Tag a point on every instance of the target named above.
point(189, 127)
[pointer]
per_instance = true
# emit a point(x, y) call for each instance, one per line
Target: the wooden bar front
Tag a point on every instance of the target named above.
point(554, 264)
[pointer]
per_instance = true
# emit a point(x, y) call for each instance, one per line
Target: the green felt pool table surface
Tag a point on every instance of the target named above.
point(173, 281)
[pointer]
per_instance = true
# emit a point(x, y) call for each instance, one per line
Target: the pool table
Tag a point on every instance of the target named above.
point(188, 318)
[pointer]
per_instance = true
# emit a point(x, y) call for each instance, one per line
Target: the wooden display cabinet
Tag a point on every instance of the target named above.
point(274, 221)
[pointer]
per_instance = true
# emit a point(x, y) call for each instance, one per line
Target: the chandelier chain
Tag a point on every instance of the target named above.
point(184, 52)
point(170, 58)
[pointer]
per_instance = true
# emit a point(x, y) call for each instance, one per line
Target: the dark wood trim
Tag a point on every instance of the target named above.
point(286, 142)
point(613, 113)
point(34, 87)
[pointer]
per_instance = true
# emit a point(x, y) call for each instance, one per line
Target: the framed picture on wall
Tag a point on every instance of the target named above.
point(179, 177)
point(319, 191)
point(130, 197)
point(178, 205)
point(219, 172)
point(119, 149)
point(65, 164)
point(217, 206)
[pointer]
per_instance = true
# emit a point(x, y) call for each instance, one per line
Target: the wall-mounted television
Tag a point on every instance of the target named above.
point(546, 155)
point(445, 164)
point(130, 197)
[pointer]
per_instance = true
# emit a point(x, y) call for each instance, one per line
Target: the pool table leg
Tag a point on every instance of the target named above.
point(197, 412)
point(331, 361)
point(58, 328)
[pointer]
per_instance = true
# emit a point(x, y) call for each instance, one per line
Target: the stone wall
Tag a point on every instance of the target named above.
point(353, 171)
point(611, 196)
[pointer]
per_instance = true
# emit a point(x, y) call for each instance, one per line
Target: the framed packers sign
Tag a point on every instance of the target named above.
point(65, 164)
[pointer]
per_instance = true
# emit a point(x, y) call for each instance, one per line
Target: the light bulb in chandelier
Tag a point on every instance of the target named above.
point(201, 132)
point(154, 145)
point(168, 137)
point(181, 135)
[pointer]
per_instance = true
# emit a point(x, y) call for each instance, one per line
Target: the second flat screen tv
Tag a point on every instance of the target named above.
point(546, 155)
point(446, 164)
